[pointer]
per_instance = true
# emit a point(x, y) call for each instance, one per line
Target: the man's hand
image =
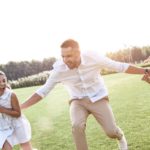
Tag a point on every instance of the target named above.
point(146, 78)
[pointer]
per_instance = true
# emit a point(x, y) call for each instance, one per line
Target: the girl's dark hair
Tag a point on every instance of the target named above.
point(2, 73)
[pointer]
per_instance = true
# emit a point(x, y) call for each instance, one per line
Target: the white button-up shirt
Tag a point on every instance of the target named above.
point(84, 81)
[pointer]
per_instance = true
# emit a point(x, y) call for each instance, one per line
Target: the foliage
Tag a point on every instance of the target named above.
point(131, 55)
point(16, 70)
point(106, 71)
point(28, 81)
point(144, 65)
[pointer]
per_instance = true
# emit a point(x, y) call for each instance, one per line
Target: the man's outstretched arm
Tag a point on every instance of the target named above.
point(137, 70)
point(35, 98)
point(42, 91)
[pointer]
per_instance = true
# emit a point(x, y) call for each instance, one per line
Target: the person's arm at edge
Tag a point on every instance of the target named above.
point(138, 70)
point(135, 70)
point(35, 98)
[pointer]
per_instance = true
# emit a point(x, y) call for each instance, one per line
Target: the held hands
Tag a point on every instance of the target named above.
point(146, 76)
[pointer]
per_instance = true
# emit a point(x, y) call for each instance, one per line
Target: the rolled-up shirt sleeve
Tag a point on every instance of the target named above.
point(105, 62)
point(49, 85)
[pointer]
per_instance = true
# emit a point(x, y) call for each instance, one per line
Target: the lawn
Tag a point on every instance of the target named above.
point(130, 101)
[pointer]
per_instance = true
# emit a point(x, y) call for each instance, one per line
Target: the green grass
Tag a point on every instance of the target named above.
point(130, 101)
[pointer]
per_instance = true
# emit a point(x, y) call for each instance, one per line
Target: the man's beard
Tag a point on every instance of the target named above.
point(71, 65)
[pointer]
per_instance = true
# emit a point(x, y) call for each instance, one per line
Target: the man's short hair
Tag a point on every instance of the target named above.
point(70, 43)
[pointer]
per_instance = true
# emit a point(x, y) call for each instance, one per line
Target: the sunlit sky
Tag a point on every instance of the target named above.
point(34, 29)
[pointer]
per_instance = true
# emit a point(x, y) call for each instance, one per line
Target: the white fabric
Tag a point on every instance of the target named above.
point(5, 122)
point(20, 134)
point(14, 130)
point(4, 135)
point(84, 81)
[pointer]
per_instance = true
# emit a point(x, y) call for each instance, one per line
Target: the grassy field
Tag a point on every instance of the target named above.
point(130, 100)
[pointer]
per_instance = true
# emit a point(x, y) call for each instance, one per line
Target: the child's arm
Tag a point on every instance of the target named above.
point(15, 110)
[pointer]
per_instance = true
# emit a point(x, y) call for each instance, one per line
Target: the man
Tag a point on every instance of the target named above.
point(80, 73)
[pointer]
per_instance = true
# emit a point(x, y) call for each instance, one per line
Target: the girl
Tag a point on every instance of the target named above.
point(14, 127)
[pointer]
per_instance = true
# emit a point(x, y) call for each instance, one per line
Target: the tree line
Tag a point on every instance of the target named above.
point(32, 80)
point(131, 55)
point(16, 70)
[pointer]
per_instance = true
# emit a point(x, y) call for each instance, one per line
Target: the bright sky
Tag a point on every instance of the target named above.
point(34, 29)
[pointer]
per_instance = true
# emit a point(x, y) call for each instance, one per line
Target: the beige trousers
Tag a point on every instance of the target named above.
point(101, 110)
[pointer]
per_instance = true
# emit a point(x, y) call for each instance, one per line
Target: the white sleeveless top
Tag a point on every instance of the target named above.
point(6, 121)
point(13, 130)
point(5, 101)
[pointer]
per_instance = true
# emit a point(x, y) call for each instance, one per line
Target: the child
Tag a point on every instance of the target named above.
point(14, 127)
